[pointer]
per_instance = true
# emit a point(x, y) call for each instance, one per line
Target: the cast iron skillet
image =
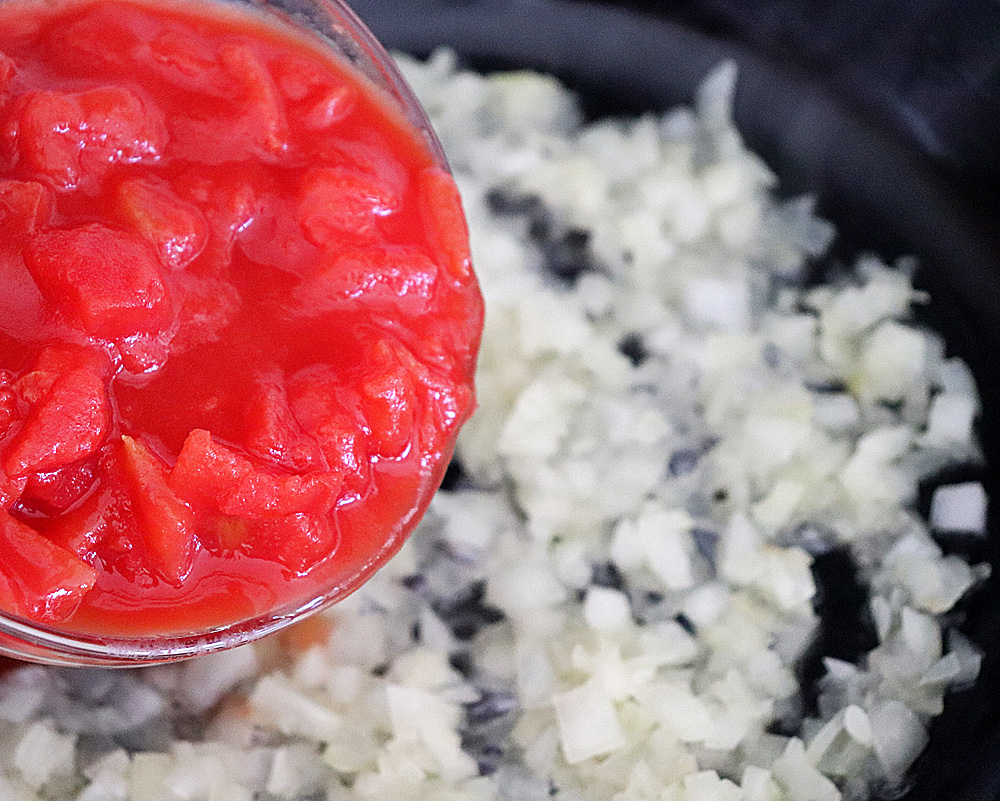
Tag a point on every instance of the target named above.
point(883, 195)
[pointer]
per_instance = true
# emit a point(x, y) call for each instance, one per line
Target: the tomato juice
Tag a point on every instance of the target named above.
point(238, 320)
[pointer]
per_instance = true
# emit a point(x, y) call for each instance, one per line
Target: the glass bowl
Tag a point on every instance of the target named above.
point(338, 28)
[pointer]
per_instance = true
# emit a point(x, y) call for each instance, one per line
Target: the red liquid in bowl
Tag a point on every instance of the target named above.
point(238, 322)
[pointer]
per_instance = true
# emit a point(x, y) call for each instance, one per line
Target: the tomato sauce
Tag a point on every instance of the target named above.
point(238, 320)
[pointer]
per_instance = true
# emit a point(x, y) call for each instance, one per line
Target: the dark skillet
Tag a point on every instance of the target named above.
point(883, 192)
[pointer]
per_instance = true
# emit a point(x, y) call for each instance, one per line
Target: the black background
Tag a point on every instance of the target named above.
point(928, 68)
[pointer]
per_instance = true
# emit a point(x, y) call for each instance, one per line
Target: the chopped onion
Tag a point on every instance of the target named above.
point(959, 507)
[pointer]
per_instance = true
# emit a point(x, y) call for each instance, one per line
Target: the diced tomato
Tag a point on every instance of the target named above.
point(314, 98)
point(56, 359)
point(328, 108)
point(329, 149)
point(339, 204)
point(276, 239)
point(208, 472)
point(100, 38)
point(297, 78)
point(452, 342)
point(207, 307)
point(273, 433)
point(317, 399)
point(297, 541)
point(441, 211)
point(7, 71)
point(39, 135)
point(166, 523)
point(389, 280)
point(105, 280)
point(143, 352)
point(229, 201)
point(74, 138)
point(81, 529)
point(248, 120)
point(262, 494)
point(11, 488)
point(239, 326)
point(388, 399)
point(226, 534)
point(259, 97)
point(176, 230)
point(186, 61)
point(9, 411)
point(54, 492)
point(38, 579)
point(101, 526)
point(25, 207)
point(444, 403)
point(68, 424)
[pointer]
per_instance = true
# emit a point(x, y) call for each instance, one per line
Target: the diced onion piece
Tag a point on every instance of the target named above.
point(588, 723)
point(606, 609)
point(959, 507)
point(899, 737)
point(799, 778)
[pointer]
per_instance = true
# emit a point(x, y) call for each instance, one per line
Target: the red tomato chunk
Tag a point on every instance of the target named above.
point(74, 138)
point(106, 282)
point(239, 319)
